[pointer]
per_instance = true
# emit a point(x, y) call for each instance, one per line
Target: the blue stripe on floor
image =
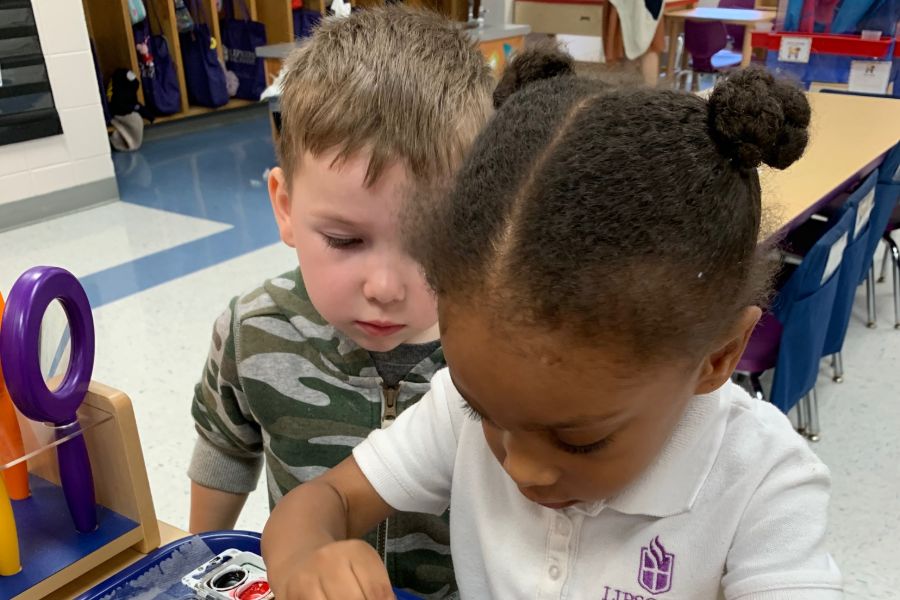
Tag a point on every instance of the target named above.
point(214, 174)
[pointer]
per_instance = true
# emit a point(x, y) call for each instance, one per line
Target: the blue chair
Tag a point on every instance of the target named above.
point(790, 337)
point(887, 195)
point(857, 262)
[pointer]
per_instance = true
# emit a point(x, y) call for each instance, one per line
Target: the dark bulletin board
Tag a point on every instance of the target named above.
point(27, 110)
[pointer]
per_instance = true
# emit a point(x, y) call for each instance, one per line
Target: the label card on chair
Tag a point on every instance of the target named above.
point(870, 76)
point(864, 212)
point(835, 256)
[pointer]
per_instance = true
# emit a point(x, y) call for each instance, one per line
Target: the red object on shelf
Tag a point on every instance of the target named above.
point(842, 45)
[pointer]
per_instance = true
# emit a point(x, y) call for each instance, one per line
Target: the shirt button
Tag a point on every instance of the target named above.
point(554, 572)
point(563, 526)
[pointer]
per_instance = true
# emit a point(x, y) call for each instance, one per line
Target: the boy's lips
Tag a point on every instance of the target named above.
point(379, 328)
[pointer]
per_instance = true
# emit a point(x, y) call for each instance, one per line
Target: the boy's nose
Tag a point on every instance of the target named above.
point(384, 286)
point(526, 469)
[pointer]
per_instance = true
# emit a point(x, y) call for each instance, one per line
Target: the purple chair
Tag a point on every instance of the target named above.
point(736, 32)
point(706, 43)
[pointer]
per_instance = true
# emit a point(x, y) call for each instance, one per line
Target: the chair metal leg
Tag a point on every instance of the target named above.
point(895, 257)
point(884, 261)
point(802, 415)
point(812, 431)
point(756, 385)
point(870, 297)
point(896, 289)
point(837, 367)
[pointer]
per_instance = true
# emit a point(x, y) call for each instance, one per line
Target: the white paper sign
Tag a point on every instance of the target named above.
point(870, 76)
point(863, 212)
point(795, 49)
point(835, 256)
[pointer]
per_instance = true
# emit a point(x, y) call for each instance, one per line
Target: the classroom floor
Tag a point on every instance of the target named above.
point(194, 228)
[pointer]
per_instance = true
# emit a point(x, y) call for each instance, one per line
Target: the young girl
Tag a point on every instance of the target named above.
point(598, 276)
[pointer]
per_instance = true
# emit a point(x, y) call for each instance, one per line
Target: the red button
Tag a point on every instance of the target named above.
point(255, 591)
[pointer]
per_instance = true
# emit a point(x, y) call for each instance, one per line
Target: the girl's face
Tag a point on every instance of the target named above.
point(567, 424)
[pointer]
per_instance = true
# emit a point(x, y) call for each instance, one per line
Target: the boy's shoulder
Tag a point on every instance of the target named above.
point(278, 319)
point(282, 296)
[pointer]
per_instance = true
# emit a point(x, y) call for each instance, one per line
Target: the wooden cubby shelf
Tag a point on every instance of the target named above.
point(109, 26)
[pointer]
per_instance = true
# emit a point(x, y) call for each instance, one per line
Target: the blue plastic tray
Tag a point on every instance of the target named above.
point(217, 541)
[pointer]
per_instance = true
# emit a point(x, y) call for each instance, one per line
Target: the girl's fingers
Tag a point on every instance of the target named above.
point(339, 583)
point(372, 577)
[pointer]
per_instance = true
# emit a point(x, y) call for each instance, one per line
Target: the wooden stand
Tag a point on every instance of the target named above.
point(120, 483)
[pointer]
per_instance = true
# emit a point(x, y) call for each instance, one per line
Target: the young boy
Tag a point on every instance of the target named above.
point(377, 109)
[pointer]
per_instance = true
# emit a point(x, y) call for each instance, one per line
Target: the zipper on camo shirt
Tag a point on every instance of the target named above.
point(390, 395)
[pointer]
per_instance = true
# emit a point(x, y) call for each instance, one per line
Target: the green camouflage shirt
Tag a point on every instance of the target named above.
point(283, 384)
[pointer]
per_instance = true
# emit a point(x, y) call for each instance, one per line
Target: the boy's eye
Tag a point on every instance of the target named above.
point(340, 243)
point(586, 448)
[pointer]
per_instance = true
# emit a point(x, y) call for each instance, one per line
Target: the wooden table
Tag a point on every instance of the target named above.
point(728, 16)
point(168, 533)
point(849, 137)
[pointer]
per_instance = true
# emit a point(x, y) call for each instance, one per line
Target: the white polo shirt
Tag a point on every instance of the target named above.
point(734, 506)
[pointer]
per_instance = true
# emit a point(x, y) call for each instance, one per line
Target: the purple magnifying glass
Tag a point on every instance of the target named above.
point(20, 354)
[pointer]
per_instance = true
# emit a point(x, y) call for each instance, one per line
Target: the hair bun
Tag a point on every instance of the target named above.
point(537, 63)
point(756, 119)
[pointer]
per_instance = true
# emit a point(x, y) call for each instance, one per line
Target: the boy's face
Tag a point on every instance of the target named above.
point(348, 242)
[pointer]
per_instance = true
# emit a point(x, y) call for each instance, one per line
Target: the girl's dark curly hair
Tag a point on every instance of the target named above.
point(620, 217)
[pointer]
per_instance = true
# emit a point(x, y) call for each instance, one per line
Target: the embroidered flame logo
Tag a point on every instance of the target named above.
point(655, 574)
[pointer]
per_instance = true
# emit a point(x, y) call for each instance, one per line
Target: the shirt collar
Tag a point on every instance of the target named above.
point(670, 485)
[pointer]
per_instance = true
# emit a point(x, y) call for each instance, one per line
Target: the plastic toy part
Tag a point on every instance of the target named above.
point(11, 446)
point(20, 355)
point(9, 541)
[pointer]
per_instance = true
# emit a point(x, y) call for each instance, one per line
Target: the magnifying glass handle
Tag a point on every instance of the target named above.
point(77, 483)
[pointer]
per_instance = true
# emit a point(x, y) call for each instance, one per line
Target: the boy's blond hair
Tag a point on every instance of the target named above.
point(405, 84)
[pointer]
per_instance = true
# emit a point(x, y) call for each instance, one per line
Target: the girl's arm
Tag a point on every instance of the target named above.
point(308, 542)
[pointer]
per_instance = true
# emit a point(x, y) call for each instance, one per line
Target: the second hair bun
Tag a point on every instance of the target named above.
point(539, 62)
point(756, 119)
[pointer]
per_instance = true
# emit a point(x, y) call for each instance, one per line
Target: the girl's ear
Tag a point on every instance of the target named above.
point(719, 365)
point(280, 198)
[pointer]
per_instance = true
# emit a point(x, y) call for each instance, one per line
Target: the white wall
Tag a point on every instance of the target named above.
point(499, 12)
point(82, 153)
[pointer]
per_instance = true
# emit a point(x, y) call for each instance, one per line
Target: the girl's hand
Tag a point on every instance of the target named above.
point(346, 570)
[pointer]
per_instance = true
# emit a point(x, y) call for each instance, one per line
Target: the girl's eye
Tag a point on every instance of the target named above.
point(339, 243)
point(585, 449)
point(471, 412)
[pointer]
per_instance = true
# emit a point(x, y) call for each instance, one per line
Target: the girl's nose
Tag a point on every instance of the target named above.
point(525, 467)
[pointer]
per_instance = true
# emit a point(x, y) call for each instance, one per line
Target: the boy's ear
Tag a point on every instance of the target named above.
point(281, 205)
point(719, 365)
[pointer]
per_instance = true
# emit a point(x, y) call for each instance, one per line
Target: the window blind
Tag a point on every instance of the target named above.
point(27, 110)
